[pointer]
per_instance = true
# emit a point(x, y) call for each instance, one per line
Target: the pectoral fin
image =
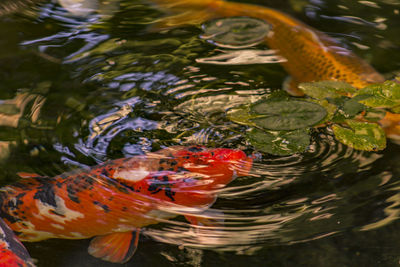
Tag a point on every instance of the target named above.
point(291, 86)
point(115, 247)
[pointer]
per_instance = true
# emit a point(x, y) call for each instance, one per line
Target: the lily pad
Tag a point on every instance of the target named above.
point(280, 143)
point(287, 115)
point(361, 135)
point(385, 95)
point(374, 115)
point(236, 32)
point(326, 89)
point(241, 116)
point(353, 107)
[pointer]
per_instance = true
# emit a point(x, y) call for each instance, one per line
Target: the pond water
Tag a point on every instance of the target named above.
point(78, 90)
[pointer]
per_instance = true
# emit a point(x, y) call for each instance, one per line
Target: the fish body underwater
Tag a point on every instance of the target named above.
point(114, 200)
point(12, 252)
point(311, 55)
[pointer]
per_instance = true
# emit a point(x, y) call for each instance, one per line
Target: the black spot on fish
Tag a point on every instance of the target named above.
point(45, 193)
point(59, 184)
point(103, 206)
point(5, 206)
point(57, 213)
point(195, 149)
point(21, 185)
point(105, 173)
point(159, 185)
point(63, 175)
point(169, 193)
point(182, 169)
point(72, 194)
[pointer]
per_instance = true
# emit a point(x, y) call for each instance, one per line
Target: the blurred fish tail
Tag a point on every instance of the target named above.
point(12, 252)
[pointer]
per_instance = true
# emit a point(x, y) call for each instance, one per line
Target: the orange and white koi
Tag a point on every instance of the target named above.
point(114, 200)
point(12, 252)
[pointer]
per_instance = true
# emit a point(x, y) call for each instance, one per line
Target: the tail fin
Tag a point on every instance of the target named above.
point(12, 252)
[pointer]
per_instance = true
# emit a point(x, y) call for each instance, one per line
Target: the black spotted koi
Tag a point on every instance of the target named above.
point(112, 201)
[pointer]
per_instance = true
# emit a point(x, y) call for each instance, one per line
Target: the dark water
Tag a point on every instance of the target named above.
point(76, 91)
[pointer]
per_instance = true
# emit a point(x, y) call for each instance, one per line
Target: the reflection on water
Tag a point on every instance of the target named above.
point(119, 88)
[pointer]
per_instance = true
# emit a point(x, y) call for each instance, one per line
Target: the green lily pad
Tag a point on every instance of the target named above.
point(353, 107)
point(280, 143)
point(236, 32)
point(326, 89)
point(287, 115)
point(241, 116)
point(395, 109)
point(385, 95)
point(361, 135)
point(374, 114)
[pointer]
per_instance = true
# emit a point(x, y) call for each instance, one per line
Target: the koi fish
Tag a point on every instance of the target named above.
point(12, 252)
point(310, 55)
point(112, 201)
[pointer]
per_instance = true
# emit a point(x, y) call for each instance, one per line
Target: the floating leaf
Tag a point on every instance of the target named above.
point(395, 109)
point(326, 89)
point(330, 108)
point(279, 143)
point(287, 115)
point(241, 116)
point(374, 115)
point(361, 135)
point(386, 95)
point(236, 32)
point(352, 107)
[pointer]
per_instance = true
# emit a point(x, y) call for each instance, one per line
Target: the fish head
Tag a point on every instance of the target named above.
point(218, 165)
point(192, 176)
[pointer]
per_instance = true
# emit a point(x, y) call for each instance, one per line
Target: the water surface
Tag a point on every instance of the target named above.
point(79, 89)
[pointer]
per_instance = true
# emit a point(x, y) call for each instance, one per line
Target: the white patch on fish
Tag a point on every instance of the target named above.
point(28, 229)
point(76, 235)
point(123, 228)
point(131, 175)
point(66, 213)
point(57, 226)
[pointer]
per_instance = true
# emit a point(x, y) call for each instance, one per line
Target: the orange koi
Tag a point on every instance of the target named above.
point(310, 55)
point(114, 200)
point(12, 252)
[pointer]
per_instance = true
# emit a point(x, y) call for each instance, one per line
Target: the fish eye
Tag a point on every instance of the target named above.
point(196, 149)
